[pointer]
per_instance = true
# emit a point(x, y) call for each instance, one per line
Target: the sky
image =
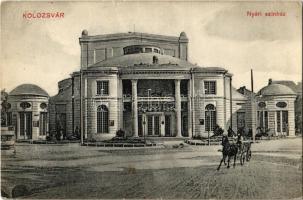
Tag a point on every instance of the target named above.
point(45, 51)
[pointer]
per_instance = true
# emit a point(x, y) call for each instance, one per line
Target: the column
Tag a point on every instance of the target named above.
point(253, 116)
point(189, 111)
point(120, 89)
point(135, 108)
point(291, 119)
point(178, 107)
point(85, 108)
point(18, 125)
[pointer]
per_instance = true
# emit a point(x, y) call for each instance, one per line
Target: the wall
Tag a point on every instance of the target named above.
point(271, 108)
point(98, 48)
point(200, 100)
point(111, 101)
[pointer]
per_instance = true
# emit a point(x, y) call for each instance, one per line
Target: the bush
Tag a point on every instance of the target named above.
point(218, 131)
point(48, 138)
point(262, 132)
point(249, 133)
point(58, 135)
point(120, 133)
point(197, 137)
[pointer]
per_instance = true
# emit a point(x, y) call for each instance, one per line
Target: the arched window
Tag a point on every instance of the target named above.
point(102, 119)
point(210, 117)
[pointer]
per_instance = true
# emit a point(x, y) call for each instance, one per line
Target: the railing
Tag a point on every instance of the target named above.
point(153, 98)
point(156, 99)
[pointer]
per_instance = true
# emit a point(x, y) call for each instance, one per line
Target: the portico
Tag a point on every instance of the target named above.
point(159, 108)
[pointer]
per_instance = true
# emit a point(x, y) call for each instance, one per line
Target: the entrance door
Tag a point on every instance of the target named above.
point(140, 125)
point(43, 122)
point(240, 120)
point(153, 125)
point(26, 125)
point(167, 125)
point(61, 123)
point(185, 126)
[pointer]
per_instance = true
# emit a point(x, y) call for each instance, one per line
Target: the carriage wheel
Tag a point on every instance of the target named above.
point(242, 158)
point(248, 156)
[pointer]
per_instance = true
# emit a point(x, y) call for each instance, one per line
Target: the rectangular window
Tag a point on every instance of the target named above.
point(102, 88)
point(210, 87)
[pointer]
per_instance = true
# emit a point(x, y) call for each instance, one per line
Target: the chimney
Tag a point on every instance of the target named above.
point(269, 81)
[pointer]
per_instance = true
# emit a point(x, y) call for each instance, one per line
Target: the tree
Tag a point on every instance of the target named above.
point(4, 107)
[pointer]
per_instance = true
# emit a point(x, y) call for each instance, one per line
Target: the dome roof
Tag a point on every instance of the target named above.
point(142, 59)
point(275, 89)
point(28, 89)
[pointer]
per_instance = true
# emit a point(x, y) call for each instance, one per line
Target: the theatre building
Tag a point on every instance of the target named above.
point(145, 85)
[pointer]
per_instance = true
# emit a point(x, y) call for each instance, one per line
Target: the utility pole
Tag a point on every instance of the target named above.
point(253, 107)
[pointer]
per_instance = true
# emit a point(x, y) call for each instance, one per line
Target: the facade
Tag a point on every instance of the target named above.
point(27, 111)
point(297, 88)
point(143, 84)
point(275, 109)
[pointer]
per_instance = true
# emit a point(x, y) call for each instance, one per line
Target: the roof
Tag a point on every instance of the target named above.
point(275, 89)
point(130, 35)
point(246, 92)
point(209, 69)
point(290, 84)
point(142, 59)
point(237, 95)
point(28, 89)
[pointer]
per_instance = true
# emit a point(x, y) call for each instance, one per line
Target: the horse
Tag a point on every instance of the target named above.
point(229, 150)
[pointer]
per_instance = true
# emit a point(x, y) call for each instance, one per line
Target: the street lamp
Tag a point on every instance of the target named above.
point(144, 122)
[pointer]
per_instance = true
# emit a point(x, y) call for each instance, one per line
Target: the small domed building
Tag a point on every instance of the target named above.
point(275, 109)
point(28, 112)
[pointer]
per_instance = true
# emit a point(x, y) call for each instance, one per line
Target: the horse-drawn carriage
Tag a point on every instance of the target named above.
point(235, 149)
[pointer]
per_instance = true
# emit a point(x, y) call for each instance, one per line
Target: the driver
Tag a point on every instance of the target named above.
point(239, 141)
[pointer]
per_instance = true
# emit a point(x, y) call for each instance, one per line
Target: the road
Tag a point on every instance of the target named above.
point(72, 171)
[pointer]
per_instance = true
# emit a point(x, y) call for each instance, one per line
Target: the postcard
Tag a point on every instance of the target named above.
point(151, 100)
